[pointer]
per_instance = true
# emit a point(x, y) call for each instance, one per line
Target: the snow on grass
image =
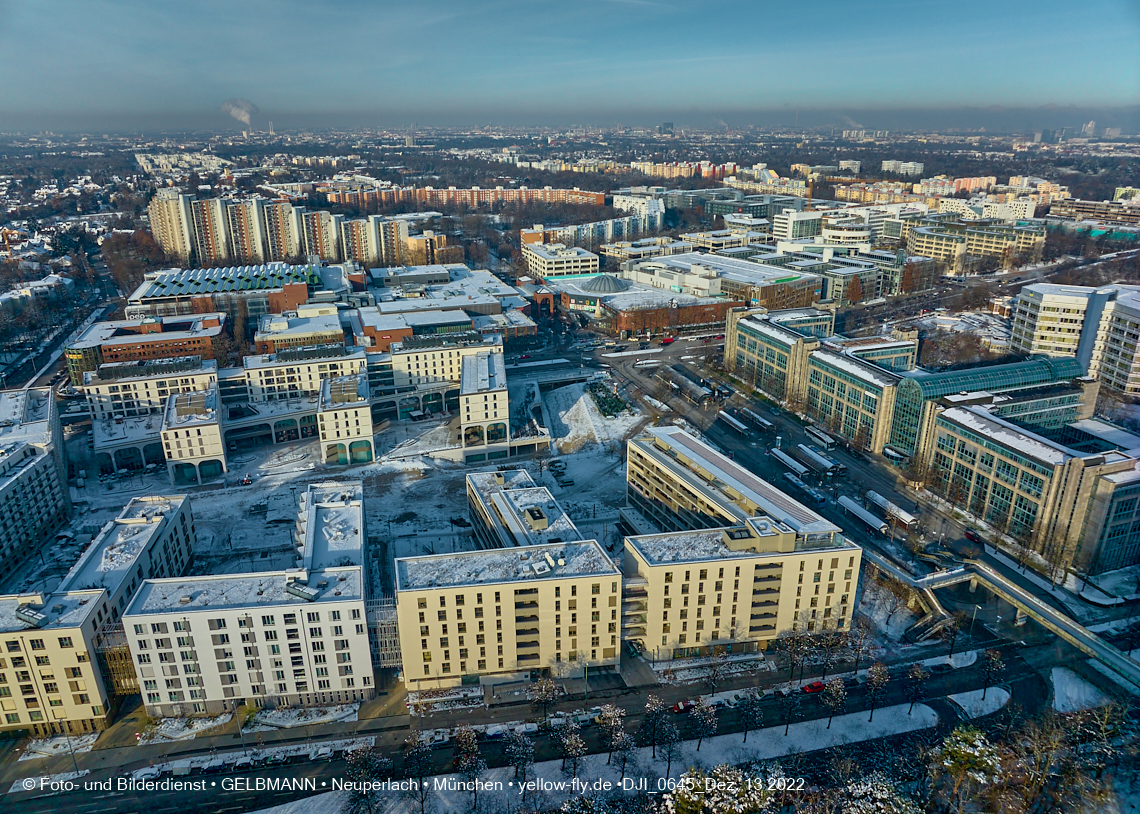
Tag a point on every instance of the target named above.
point(43, 782)
point(271, 719)
point(576, 421)
point(51, 747)
point(956, 661)
point(181, 729)
point(888, 613)
point(975, 706)
point(767, 744)
point(1071, 693)
point(1123, 582)
point(1115, 677)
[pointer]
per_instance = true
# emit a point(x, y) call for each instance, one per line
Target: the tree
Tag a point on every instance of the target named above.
point(877, 678)
point(466, 741)
point(830, 642)
point(751, 711)
point(704, 721)
point(952, 629)
point(859, 639)
point(625, 748)
point(417, 766)
point(670, 737)
point(854, 291)
point(875, 793)
point(364, 768)
point(992, 667)
point(916, 685)
point(612, 719)
point(796, 645)
point(571, 745)
point(542, 694)
point(519, 751)
point(651, 722)
point(472, 766)
point(834, 698)
point(793, 708)
point(965, 760)
point(715, 667)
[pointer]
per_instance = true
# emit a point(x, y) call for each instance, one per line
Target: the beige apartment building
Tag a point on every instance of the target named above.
point(50, 677)
point(1047, 319)
point(127, 389)
point(553, 260)
point(725, 558)
point(344, 419)
point(192, 437)
point(497, 614)
point(298, 372)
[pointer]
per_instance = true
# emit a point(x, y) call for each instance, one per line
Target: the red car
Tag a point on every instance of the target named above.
point(525, 356)
point(683, 706)
point(815, 686)
point(973, 536)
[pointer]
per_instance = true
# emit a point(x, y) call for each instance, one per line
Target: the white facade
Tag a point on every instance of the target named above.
point(793, 225)
point(296, 637)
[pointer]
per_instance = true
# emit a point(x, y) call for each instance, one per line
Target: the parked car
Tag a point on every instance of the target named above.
point(682, 707)
point(814, 687)
point(524, 356)
point(496, 731)
point(973, 536)
point(214, 766)
point(322, 753)
point(438, 739)
point(527, 729)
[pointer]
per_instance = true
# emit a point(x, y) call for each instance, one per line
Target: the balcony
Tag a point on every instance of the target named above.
point(520, 620)
point(775, 578)
point(526, 645)
point(528, 657)
point(633, 607)
point(763, 616)
point(525, 605)
point(761, 628)
point(765, 591)
point(770, 603)
point(530, 631)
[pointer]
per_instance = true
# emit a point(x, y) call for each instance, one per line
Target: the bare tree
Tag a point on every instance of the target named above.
point(571, 745)
point(652, 721)
point(612, 719)
point(916, 685)
point(519, 751)
point(834, 698)
point(716, 666)
point(417, 767)
point(704, 721)
point(992, 667)
point(793, 709)
point(543, 693)
point(877, 678)
point(751, 711)
point(670, 737)
point(625, 748)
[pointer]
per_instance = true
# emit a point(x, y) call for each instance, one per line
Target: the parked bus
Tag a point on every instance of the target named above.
point(855, 510)
point(791, 463)
point(732, 422)
point(814, 496)
point(762, 424)
point(821, 438)
point(904, 519)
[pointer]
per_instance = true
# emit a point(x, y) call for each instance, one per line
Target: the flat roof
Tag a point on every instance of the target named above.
point(191, 282)
point(1021, 442)
point(331, 525)
point(25, 414)
point(196, 408)
point(107, 333)
point(266, 589)
point(729, 267)
point(483, 372)
point(340, 392)
point(59, 610)
point(109, 558)
point(582, 558)
point(726, 473)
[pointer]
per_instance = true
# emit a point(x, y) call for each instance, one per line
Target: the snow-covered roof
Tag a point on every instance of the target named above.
point(330, 525)
point(1109, 433)
point(235, 591)
point(25, 416)
point(1010, 436)
point(483, 372)
point(857, 369)
point(785, 336)
point(342, 392)
point(197, 408)
point(685, 546)
point(58, 610)
point(728, 475)
point(115, 550)
point(171, 328)
point(582, 558)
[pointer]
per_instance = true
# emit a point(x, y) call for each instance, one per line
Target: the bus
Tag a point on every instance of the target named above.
point(732, 422)
point(762, 424)
point(821, 438)
point(814, 496)
point(872, 522)
point(791, 463)
point(903, 518)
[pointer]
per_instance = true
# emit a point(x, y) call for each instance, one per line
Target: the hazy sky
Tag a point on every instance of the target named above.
point(141, 63)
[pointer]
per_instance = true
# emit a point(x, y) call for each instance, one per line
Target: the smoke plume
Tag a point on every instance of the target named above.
point(241, 109)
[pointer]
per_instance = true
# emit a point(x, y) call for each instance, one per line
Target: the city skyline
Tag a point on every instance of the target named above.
point(112, 65)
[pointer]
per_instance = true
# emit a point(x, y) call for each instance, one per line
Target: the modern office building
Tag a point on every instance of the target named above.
point(298, 637)
point(697, 512)
point(34, 498)
point(959, 243)
point(51, 677)
point(903, 167)
point(795, 225)
point(148, 338)
point(1124, 212)
point(305, 327)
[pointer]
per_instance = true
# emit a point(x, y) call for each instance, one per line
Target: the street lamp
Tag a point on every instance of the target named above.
point(974, 616)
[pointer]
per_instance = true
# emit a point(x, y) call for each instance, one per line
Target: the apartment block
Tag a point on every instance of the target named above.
point(51, 680)
point(209, 227)
point(34, 498)
point(483, 408)
point(344, 417)
point(307, 326)
point(192, 437)
point(698, 513)
point(555, 260)
point(207, 645)
point(170, 223)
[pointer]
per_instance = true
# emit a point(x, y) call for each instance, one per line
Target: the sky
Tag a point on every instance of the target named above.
point(125, 64)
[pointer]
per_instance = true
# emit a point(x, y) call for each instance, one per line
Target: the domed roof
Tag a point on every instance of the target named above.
point(604, 284)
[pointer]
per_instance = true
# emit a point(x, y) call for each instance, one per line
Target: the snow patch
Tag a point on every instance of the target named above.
point(1071, 693)
point(975, 706)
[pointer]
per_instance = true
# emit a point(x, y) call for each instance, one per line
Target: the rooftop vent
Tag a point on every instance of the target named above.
point(184, 600)
point(30, 616)
point(536, 519)
point(302, 591)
